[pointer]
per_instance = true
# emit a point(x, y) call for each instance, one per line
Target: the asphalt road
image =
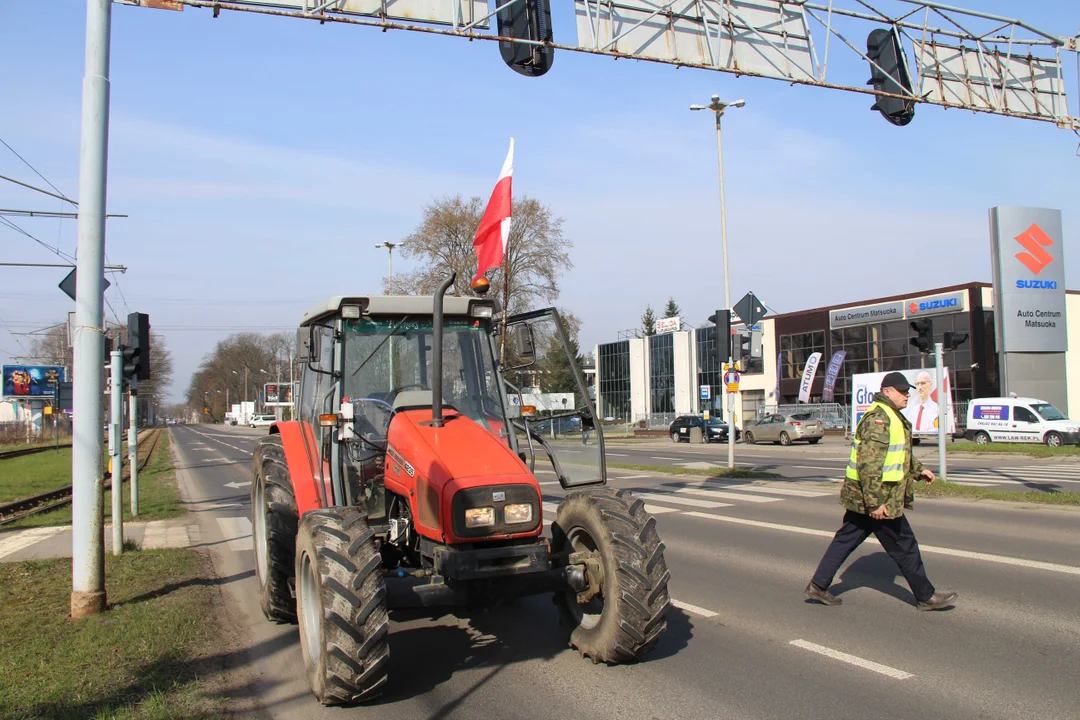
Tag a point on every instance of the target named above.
point(826, 461)
point(742, 642)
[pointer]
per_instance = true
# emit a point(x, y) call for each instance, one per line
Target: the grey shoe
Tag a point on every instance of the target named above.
point(822, 596)
point(939, 601)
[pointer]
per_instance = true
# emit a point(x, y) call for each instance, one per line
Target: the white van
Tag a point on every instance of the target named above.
point(1018, 419)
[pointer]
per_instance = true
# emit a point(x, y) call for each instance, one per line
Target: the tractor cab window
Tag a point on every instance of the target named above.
point(564, 441)
point(388, 366)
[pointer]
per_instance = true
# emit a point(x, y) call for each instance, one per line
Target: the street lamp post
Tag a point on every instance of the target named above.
point(718, 109)
point(389, 281)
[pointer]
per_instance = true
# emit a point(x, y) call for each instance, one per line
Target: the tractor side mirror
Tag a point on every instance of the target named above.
point(523, 345)
point(307, 350)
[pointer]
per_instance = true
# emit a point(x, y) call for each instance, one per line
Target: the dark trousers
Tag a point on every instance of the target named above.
point(895, 535)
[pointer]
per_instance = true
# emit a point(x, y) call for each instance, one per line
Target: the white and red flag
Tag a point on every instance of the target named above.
point(490, 240)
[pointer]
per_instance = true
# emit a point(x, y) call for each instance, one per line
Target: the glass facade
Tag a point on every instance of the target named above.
point(662, 373)
point(708, 368)
point(885, 347)
point(614, 382)
point(795, 350)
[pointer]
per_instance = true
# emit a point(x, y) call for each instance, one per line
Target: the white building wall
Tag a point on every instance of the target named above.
point(639, 379)
point(684, 372)
point(764, 382)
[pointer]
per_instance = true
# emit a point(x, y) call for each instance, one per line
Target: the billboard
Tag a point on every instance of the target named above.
point(279, 394)
point(1029, 279)
point(668, 324)
point(922, 409)
point(31, 381)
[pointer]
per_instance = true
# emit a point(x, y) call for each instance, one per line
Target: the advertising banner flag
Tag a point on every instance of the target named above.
point(779, 362)
point(278, 394)
point(922, 408)
point(808, 377)
point(831, 374)
point(30, 381)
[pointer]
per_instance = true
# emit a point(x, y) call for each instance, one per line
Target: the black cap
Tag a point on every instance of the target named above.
point(896, 380)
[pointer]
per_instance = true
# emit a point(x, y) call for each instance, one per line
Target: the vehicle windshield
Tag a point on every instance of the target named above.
point(713, 421)
point(1048, 411)
point(802, 416)
point(388, 356)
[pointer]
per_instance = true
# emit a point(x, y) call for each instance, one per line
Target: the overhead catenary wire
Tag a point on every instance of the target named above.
point(56, 251)
point(60, 195)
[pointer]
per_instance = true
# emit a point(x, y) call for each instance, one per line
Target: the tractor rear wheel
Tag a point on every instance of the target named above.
point(274, 519)
point(622, 614)
point(341, 606)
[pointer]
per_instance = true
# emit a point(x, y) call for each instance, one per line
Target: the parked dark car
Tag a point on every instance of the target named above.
point(714, 430)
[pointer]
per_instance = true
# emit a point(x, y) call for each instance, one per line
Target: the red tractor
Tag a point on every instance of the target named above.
point(409, 478)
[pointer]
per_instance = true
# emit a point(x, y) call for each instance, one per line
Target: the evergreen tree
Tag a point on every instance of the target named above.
point(648, 321)
point(672, 308)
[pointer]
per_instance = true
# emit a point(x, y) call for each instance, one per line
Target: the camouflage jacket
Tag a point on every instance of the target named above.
point(869, 493)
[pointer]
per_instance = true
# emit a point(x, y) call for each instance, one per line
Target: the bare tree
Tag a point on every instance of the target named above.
point(221, 379)
point(537, 253)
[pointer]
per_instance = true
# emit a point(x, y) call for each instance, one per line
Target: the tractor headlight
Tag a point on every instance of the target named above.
point(479, 517)
point(518, 513)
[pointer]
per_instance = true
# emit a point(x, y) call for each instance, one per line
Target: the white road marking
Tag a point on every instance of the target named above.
point(611, 454)
point(816, 467)
point(852, 660)
point(681, 500)
point(973, 483)
point(654, 457)
point(237, 531)
point(693, 609)
point(952, 552)
point(21, 539)
point(658, 509)
point(771, 490)
point(745, 497)
point(550, 482)
point(550, 507)
point(626, 477)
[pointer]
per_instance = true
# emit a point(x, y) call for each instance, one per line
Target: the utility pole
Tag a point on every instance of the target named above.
point(942, 406)
point(133, 449)
point(87, 477)
point(116, 425)
point(718, 109)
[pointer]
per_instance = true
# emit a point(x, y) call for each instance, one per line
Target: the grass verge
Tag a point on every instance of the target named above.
point(736, 473)
point(159, 498)
point(1029, 449)
point(946, 489)
point(140, 660)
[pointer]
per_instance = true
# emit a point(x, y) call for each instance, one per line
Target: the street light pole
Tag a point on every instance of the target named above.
point(389, 281)
point(718, 109)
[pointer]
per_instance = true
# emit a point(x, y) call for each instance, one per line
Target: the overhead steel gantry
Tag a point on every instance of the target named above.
point(958, 58)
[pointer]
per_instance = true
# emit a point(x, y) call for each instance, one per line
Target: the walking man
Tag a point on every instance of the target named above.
point(878, 486)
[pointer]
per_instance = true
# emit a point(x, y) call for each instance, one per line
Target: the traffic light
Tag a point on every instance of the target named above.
point(954, 340)
point(137, 350)
point(740, 351)
point(722, 320)
point(526, 20)
point(889, 75)
point(924, 338)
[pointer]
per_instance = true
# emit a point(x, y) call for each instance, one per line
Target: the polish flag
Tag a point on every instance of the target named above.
point(490, 240)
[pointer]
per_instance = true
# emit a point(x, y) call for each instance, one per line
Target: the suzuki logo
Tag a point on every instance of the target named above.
point(913, 308)
point(1034, 240)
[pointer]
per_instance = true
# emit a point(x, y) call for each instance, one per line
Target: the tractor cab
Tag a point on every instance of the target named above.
point(369, 359)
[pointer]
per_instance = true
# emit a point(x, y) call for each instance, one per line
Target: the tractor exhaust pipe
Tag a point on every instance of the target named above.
point(437, 352)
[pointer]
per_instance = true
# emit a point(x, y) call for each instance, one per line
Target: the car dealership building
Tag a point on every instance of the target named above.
point(664, 374)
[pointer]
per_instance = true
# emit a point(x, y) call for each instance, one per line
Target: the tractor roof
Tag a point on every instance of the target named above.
point(393, 305)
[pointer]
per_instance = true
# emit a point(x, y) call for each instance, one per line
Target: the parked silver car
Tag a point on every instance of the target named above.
point(785, 429)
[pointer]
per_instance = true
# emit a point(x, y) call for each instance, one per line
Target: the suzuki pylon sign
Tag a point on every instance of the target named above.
point(1029, 279)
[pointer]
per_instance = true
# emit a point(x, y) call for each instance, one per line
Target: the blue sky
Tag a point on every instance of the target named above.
point(261, 159)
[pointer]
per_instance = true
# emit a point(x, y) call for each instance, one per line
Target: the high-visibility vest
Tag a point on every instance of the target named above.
point(892, 470)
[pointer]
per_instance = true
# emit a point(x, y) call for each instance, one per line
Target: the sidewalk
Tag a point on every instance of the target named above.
point(52, 542)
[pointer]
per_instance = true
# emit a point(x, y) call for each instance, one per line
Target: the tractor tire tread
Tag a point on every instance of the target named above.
point(282, 519)
point(636, 597)
point(353, 665)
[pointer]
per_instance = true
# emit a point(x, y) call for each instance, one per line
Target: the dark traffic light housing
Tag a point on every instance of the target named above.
point(924, 335)
point(889, 75)
point(526, 20)
point(722, 320)
point(954, 340)
point(740, 346)
point(137, 350)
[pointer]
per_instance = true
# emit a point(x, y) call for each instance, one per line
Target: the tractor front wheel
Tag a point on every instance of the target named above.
point(274, 519)
point(341, 606)
point(621, 614)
